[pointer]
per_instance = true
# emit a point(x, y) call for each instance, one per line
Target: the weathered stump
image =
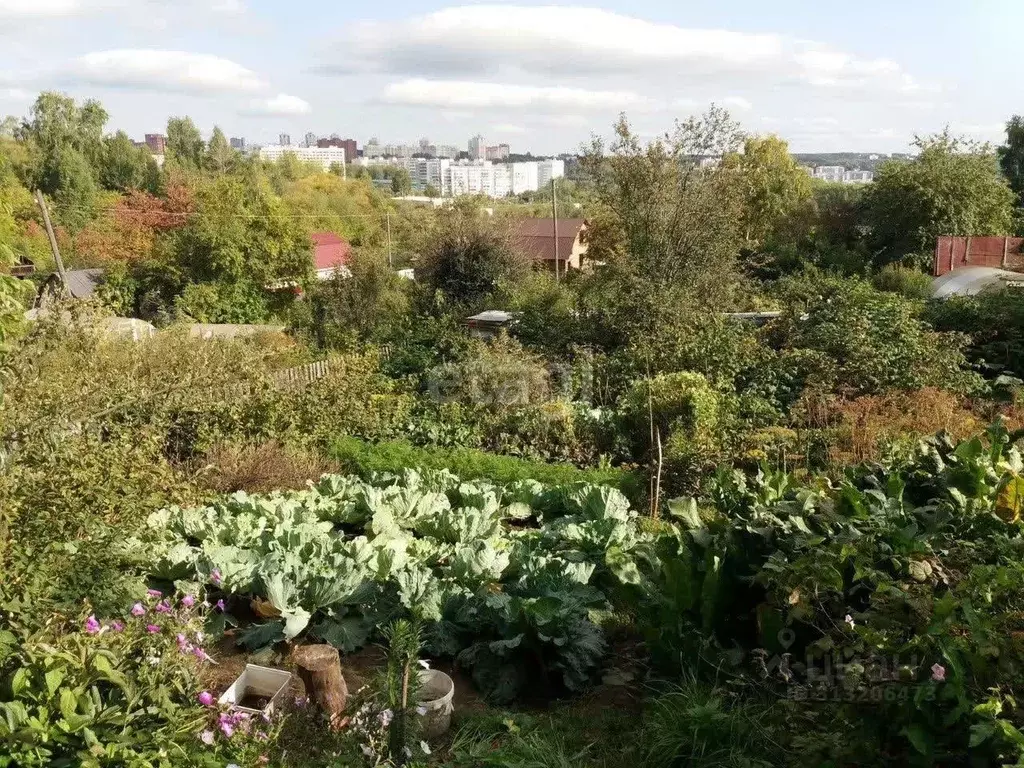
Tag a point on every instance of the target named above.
point(319, 668)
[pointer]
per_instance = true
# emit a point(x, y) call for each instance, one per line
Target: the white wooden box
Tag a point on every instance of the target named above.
point(258, 681)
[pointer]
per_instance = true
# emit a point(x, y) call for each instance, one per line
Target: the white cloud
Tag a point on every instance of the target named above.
point(15, 94)
point(66, 9)
point(282, 105)
point(737, 103)
point(509, 41)
point(503, 128)
point(456, 94)
point(164, 71)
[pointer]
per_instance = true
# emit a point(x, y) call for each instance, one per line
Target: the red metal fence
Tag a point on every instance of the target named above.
point(1000, 252)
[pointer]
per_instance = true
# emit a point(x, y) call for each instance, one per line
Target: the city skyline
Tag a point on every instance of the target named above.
point(538, 76)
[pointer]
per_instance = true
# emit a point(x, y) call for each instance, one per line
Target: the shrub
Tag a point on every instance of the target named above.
point(874, 340)
point(682, 403)
point(364, 458)
point(906, 281)
point(993, 321)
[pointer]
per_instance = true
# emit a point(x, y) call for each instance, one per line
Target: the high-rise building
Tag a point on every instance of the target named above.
point(477, 148)
point(548, 170)
point(238, 143)
point(284, 140)
point(499, 153)
point(156, 142)
point(310, 140)
point(349, 145)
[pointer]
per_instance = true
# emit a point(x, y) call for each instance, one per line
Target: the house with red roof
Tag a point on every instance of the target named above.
point(331, 254)
point(536, 239)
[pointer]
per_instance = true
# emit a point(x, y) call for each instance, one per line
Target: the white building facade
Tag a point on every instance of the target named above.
point(325, 156)
point(473, 177)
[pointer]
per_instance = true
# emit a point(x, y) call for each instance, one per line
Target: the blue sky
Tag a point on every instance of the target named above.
point(827, 76)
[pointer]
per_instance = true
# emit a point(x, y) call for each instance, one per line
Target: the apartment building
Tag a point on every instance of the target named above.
point(325, 156)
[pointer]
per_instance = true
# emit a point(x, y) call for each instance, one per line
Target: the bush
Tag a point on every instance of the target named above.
point(906, 281)
point(995, 324)
point(682, 403)
point(364, 458)
point(875, 341)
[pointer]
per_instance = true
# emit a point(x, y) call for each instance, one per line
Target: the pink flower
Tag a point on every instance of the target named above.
point(138, 609)
point(117, 626)
point(938, 673)
point(188, 601)
point(227, 728)
point(154, 593)
point(163, 607)
point(220, 605)
point(183, 644)
point(201, 654)
point(207, 737)
point(91, 625)
point(849, 620)
point(205, 698)
point(152, 628)
point(215, 576)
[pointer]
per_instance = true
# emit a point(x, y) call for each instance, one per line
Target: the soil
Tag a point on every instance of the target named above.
point(254, 701)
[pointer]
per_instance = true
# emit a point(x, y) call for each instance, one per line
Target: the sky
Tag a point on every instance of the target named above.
point(827, 76)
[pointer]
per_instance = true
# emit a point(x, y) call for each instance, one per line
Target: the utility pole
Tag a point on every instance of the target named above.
point(53, 241)
point(390, 262)
point(554, 219)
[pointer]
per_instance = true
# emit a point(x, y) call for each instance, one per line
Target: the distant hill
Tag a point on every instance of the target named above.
point(852, 161)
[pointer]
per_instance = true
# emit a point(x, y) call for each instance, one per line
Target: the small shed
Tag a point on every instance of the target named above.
point(488, 324)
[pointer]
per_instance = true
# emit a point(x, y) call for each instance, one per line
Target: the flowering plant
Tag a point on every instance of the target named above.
point(107, 691)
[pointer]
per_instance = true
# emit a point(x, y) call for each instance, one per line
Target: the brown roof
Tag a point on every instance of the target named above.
point(537, 237)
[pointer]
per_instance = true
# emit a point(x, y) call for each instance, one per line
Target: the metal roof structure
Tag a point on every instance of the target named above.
point(970, 281)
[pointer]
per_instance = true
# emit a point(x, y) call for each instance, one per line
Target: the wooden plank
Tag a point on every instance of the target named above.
point(1006, 250)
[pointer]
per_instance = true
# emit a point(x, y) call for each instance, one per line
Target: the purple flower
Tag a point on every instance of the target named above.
point(138, 609)
point(220, 605)
point(117, 626)
point(300, 701)
point(227, 728)
point(183, 644)
point(215, 576)
point(207, 737)
point(91, 625)
point(152, 628)
point(201, 654)
point(154, 593)
point(205, 698)
point(188, 601)
point(163, 607)
point(938, 673)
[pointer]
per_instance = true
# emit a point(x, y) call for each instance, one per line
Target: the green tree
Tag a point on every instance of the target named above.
point(184, 143)
point(64, 132)
point(124, 166)
point(953, 187)
point(401, 182)
point(1011, 156)
point(218, 153)
point(774, 186)
point(469, 255)
point(660, 217)
point(75, 196)
point(367, 304)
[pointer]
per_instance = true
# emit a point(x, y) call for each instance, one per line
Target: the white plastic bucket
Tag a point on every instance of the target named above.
point(435, 696)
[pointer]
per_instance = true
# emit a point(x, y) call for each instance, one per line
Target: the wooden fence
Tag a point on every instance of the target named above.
point(301, 375)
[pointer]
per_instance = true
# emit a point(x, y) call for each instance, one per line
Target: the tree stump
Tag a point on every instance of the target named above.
point(319, 668)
